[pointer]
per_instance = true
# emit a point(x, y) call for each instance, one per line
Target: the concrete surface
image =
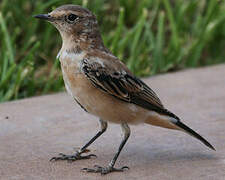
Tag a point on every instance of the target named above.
point(33, 130)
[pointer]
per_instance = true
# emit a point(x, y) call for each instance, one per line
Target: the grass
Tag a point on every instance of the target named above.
point(151, 37)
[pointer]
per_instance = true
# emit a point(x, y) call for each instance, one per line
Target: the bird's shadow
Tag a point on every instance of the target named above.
point(158, 155)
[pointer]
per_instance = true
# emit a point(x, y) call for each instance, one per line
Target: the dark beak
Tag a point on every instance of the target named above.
point(44, 17)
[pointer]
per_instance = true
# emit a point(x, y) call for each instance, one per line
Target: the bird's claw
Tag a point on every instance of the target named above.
point(71, 158)
point(104, 170)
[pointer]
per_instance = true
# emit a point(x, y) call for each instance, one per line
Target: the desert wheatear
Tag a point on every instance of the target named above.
point(102, 85)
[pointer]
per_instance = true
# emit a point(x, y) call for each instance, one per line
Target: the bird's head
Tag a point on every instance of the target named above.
point(74, 23)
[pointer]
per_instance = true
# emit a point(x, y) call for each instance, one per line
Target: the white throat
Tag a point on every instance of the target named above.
point(63, 54)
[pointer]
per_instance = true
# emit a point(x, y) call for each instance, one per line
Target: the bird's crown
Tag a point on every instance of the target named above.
point(76, 25)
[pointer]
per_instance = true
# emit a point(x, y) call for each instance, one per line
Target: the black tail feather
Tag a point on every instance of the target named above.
point(194, 134)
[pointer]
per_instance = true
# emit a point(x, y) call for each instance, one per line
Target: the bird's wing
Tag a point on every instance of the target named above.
point(116, 80)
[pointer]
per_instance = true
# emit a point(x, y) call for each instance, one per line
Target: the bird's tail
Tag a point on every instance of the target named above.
point(193, 133)
point(171, 121)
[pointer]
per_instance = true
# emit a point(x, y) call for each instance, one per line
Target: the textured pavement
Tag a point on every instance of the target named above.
point(33, 130)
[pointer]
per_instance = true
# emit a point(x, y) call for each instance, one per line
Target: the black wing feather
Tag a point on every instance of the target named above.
point(128, 88)
point(125, 87)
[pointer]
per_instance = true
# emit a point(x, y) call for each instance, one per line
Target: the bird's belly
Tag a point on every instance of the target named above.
point(111, 109)
point(103, 105)
point(99, 103)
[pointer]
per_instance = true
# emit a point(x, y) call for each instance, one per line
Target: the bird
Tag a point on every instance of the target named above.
point(103, 85)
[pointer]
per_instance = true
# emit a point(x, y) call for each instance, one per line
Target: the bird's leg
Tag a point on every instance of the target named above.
point(77, 155)
point(110, 167)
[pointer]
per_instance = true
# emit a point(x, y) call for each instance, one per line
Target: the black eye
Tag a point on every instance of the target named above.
point(72, 17)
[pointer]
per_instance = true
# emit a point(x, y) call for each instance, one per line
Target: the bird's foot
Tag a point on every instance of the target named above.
point(71, 158)
point(104, 170)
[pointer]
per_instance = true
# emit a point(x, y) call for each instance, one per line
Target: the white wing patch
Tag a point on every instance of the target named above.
point(99, 61)
point(133, 107)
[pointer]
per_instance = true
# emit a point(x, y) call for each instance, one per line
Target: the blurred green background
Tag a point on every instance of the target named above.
point(150, 36)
